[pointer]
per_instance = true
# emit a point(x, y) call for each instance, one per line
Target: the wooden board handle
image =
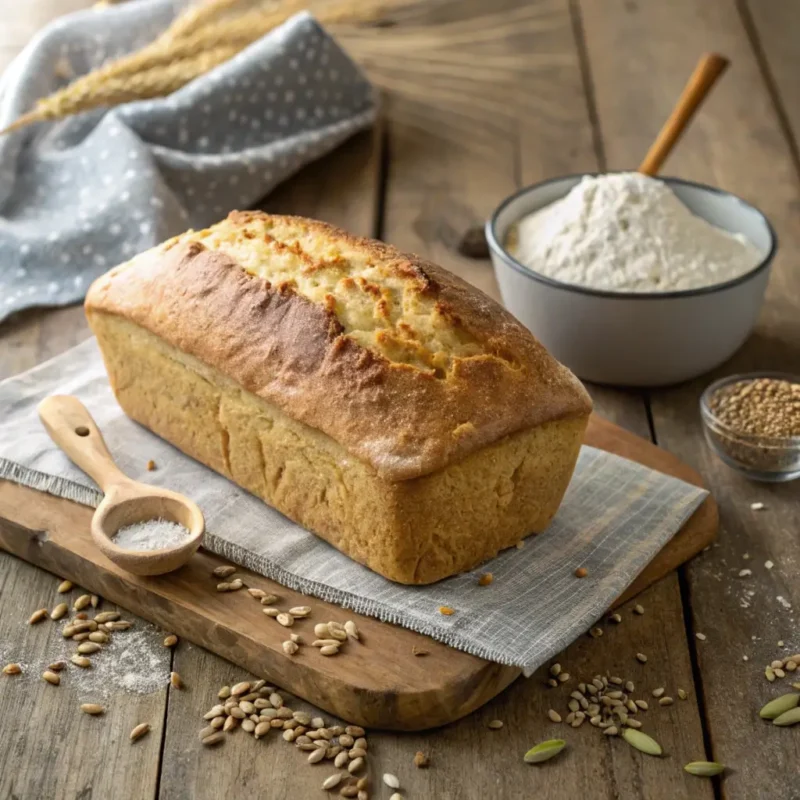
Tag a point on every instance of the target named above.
point(705, 75)
point(72, 428)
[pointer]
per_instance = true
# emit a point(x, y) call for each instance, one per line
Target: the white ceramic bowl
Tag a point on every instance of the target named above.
point(635, 338)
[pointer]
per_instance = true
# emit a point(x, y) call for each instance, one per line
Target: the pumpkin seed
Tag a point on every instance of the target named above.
point(64, 587)
point(93, 709)
point(392, 781)
point(704, 769)
point(52, 677)
point(642, 742)
point(544, 751)
point(269, 599)
point(82, 602)
point(216, 711)
point(37, 616)
point(59, 611)
point(224, 571)
point(791, 717)
point(780, 705)
point(682, 694)
point(230, 723)
point(321, 630)
point(351, 630)
point(332, 781)
point(80, 661)
point(140, 730)
point(171, 640)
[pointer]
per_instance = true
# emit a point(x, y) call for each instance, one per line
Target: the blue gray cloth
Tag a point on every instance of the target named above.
point(615, 517)
point(80, 195)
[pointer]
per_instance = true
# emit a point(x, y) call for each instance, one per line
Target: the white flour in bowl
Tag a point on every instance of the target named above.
point(627, 232)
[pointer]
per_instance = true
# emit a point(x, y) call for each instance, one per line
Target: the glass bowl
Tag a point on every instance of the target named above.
point(762, 458)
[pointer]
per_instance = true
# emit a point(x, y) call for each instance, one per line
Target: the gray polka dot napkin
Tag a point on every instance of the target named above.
point(80, 195)
point(615, 517)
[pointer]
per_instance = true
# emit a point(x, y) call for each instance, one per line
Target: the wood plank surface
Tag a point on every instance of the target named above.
point(446, 182)
point(400, 692)
point(736, 142)
point(618, 64)
point(51, 749)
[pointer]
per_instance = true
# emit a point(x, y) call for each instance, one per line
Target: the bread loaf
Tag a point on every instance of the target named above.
point(372, 397)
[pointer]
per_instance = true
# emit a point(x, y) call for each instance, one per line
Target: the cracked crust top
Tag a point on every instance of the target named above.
point(405, 365)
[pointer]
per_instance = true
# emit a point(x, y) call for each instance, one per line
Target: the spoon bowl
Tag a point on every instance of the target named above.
point(133, 502)
point(126, 501)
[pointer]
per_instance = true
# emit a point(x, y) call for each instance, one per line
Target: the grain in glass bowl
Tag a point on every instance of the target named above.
point(752, 422)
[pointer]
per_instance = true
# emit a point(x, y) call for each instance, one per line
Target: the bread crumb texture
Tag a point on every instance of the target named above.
point(404, 365)
point(413, 531)
point(384, 303)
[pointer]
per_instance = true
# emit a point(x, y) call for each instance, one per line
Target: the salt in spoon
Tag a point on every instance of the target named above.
point(126, 501)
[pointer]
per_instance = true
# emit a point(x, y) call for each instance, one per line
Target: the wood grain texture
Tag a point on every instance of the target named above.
point(51, 749)
point(735, 142)
point(401, 692)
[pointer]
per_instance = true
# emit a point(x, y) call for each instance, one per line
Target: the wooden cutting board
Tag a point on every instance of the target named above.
point(379, 683)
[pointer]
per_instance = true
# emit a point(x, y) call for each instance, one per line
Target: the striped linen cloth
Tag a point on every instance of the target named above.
point(615, 517)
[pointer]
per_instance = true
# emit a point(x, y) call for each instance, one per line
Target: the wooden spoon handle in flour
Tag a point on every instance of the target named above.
point(705, 75)
point(72, 428)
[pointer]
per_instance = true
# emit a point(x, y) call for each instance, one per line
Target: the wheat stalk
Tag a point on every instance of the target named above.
point(155, 82)
point(172, 60)
point(206, 35)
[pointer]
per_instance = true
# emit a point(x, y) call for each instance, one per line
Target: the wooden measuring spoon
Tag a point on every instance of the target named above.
point(705, 75)
point(126, 501)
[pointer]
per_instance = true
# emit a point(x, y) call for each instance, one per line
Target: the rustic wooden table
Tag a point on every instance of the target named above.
point(606, 76)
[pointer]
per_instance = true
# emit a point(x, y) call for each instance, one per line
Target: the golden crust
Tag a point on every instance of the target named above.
point(406, 417)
